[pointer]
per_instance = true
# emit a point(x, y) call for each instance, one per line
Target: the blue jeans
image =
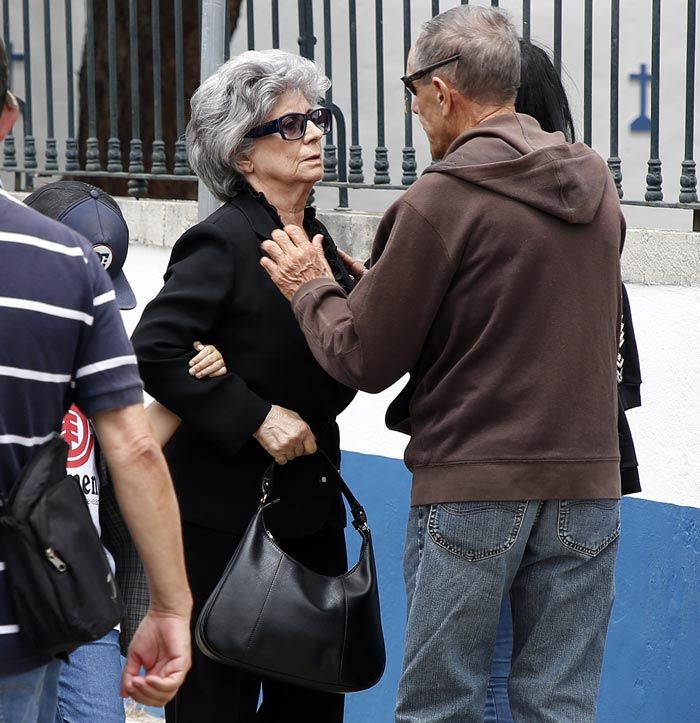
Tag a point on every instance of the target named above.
point(557, 558)
point(88, 689)
point(497, 707)
point(29, 697)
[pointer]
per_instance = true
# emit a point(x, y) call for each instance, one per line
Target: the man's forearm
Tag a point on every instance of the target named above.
point(147, 500)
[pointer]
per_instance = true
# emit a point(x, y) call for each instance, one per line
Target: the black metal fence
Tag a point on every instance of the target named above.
point(362, 45)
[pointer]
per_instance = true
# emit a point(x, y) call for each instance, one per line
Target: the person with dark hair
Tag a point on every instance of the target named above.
point(541, 93)
point(502, 264)
point(62, 341)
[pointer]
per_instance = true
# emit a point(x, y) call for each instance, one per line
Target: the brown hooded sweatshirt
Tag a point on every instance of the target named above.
point(496, 282)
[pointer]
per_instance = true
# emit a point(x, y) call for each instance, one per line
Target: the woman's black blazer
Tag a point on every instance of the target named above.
point(216, 291)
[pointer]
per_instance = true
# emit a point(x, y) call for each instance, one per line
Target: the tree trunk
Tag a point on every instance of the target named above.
point(190, 20)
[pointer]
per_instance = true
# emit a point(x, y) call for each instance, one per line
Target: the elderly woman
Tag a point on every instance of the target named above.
point(255, 140)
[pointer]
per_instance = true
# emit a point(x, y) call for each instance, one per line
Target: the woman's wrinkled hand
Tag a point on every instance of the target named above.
point(208, 361)
point(285, 435)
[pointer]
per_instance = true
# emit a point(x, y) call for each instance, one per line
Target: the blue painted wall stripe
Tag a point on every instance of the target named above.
point(652, 662)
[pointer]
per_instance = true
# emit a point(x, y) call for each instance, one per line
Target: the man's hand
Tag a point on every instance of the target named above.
point(285, 435)
point(292, 260)
point(161, 646)
point(355, 268)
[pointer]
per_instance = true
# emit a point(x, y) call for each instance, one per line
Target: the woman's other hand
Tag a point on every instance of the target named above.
point(355, 268)
point(208, 361)
point(285, 435)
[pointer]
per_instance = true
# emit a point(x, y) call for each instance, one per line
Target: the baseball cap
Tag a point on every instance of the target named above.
point(96, 215)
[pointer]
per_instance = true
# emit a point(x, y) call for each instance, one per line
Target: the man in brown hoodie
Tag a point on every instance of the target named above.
point(495, 282)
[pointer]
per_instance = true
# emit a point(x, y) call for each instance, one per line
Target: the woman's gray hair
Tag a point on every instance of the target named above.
point(488, 70)
point(238, 97)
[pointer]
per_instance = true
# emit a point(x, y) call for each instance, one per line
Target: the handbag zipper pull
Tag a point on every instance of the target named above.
point(54, 559)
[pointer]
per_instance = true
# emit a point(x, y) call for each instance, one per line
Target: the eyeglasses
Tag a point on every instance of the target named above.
point(292, 126)
point(408, 80)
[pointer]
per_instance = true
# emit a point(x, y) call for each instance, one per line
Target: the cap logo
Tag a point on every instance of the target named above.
point(105, 254)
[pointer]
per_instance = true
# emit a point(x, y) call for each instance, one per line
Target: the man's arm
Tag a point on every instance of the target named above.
point(373, 337)
point(147, 500)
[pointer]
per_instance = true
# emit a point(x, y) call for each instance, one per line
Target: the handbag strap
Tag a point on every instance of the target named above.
point(359, 517)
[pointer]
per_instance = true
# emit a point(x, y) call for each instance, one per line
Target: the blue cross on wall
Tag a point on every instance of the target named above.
point(643, 122)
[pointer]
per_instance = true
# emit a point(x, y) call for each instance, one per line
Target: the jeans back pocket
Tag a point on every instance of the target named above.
point(588, 526)
point(476, 530)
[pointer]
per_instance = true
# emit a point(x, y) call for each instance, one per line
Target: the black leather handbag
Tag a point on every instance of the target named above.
point(272, 616)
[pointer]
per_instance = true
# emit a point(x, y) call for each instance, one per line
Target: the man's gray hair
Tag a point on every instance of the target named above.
point(235, 99)
point(488, 70)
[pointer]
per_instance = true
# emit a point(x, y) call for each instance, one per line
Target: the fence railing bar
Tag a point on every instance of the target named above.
point(275, 12)
point(654, 179)
point(689, 192)
point(29, 143)
point(137, 186)
point(92, 150)
point(226, 31)
point(158, 157)
point(250, 23)
point(614, 162)
point(180, 165)
point(114, 153)
point(408, 153)
point(526, 19)
point(330, 157)
point(355, 174)
point(51, 155)
point(342, 157)
point(307, 39)
point(9, 152)
point(71, 141)
point(588, 73)
point(557, 35)
point(381, 153)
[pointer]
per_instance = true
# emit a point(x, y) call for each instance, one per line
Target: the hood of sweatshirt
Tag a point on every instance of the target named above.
point(512, 156)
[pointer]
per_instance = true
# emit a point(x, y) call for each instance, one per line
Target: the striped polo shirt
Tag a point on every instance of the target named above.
point(61, 341)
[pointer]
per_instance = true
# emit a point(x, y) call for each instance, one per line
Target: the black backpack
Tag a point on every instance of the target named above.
point(61, 584)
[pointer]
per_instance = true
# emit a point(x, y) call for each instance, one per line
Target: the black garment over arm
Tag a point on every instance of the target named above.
point(216, 292)
point(198, 284)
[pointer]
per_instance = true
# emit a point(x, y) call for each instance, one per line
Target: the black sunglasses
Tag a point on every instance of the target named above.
point(408, 80)
point(292, 126)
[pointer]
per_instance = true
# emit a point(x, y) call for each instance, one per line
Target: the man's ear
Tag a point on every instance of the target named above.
point(8, 115)
point(443, 94)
